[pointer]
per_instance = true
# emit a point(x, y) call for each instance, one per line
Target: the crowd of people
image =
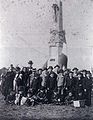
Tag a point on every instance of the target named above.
point(29, 86)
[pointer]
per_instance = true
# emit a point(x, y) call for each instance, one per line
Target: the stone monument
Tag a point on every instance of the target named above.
point(57, 39)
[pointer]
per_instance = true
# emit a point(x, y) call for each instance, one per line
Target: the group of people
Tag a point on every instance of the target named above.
point(29, 86)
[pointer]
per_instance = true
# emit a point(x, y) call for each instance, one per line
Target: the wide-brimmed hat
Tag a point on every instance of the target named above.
point(30, 62)
point(74, 69)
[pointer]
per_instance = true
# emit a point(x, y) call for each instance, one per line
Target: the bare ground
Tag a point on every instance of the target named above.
point(44, 112)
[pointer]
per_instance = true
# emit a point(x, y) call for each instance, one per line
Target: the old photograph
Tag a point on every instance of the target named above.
point(46, 59)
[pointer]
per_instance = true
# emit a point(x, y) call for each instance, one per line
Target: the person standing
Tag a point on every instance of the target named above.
point(52, 85)
point(39, 73)
point(75, 72)
point(60, 79)
point(8, 83)
point(25, 79)
point(44, 77)
point(33, 81)
point(56, 69)
point(15, 79)
point(30, 67)
point(87, 84)
point(79, 90)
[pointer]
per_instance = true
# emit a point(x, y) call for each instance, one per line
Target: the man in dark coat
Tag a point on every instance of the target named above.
point(34, 81)
point(8, 83)
point(69, 88)
point(51, 83)
point(70, 83)
point(84, 73)
point(79, 87)
point(66, 75)
point(75, 72)
point(25, 77)
point(87, 85)
point(20, 82)
point(56, 69)
point(30, 68)
point(52, 77)
point(3, 78)
point(39, 78)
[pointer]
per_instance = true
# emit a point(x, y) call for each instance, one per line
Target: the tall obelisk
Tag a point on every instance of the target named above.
point(57, 36)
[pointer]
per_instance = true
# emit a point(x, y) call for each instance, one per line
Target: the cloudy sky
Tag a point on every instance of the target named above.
point(25, 31)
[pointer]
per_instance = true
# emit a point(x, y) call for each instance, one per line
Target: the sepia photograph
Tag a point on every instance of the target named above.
point(46, 59)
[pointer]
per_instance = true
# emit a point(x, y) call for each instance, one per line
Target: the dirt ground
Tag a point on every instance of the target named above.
point(44, 112)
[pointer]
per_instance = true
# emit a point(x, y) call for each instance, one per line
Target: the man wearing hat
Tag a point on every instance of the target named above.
point(56, 69)
point(75, 71)
point(30, 63)
point(40, 71)
point(8, 82)
point(87, 85)
point(11, 68)
point(68, 83)
point(84, 73)
point(50, 69)
point(79, 87)
point(52, 85)
point(10, 75)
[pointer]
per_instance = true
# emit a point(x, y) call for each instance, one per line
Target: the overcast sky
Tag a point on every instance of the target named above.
point(25, 31)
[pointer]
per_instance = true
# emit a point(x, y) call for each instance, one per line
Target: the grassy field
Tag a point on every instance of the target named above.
point(44, 112)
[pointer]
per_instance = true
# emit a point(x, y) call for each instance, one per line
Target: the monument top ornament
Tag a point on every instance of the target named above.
point(56, 10)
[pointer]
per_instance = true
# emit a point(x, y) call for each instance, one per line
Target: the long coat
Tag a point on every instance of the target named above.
point(69, 83)
point(34, 83)
point(8, 83)
point(79, 90)
point(52, 82)
point(87, 85)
